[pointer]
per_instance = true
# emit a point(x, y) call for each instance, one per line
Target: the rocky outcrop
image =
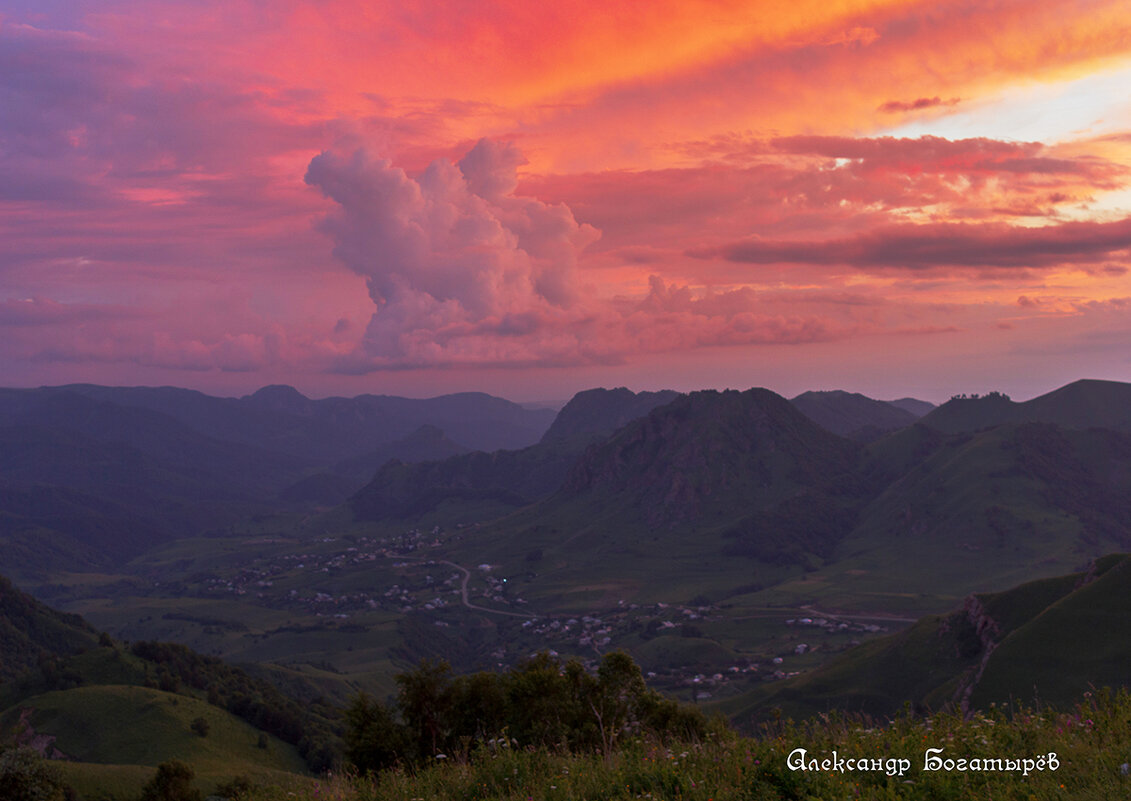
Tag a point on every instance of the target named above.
point(989, 633)
point(26, 736)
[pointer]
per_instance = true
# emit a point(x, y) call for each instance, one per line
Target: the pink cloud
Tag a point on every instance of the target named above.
point(152, 202)
point(39, 311)
point(942, 245)
point(790, 187)
point(918, 104)
point(463, 271)
point(451, 253)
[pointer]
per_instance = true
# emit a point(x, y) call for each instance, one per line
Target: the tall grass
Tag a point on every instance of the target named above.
point(1091, 743)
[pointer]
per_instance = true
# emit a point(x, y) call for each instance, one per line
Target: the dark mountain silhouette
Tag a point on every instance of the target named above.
point(91, 473)
point(1082, 404)
point(427, 443)
point(851, 414)
point(132, 435)
point(723, 481)
point(504, 479)
point(600, 412)
point(282, 398)
point(280, 419)
point(709, 454)
point(915, 406)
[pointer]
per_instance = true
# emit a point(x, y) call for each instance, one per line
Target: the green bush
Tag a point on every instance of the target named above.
point(26, 776)
point(541, 703)
point(173, 782)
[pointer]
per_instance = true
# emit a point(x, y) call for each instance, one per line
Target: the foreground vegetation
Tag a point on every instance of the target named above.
point(557, 733)
point(1091, 745)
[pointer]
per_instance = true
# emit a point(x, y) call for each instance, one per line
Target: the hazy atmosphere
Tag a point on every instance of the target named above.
point(896, 198)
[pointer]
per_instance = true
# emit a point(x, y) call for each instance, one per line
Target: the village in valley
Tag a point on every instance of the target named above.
point(343, 583)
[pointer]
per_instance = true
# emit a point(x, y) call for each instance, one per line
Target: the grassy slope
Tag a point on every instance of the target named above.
point(28, 629)
point(115, 736)
point(117, 724)
point(1080, 642)
point(973, 513)
point(1056, 639)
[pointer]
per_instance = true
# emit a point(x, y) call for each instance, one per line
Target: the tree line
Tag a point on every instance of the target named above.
point(541, 703)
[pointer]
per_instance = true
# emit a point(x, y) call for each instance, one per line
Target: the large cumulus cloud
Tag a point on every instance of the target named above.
point(463, 271)
point(453, 260)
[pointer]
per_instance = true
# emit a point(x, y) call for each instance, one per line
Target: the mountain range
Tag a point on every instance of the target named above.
point(335, 542)
point(92, 475)
point(749, 490)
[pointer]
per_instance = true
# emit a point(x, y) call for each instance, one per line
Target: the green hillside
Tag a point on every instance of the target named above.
point(1047, 641)
point(47, 652)
point(1075, 644)
point(30, 631)
point(129, 725)
point(974, 512)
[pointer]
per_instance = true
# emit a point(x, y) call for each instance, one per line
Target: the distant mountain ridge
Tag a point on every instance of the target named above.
point(705, 449)
point(600, 412)
point(724, 480)
point(279, 418)
point(853, 415)
point(91, 474)
point(914, 405)
point(504, 479)
point(1087, 403)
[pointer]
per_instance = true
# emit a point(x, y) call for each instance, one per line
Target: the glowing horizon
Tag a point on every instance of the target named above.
point(891, 197)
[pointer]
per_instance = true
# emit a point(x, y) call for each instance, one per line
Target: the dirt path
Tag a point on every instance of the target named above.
point(831, 616)
point(467, 602)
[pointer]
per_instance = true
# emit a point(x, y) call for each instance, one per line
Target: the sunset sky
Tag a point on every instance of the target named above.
point(895, 197)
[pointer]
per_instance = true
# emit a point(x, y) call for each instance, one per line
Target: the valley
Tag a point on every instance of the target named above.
point(745, 557)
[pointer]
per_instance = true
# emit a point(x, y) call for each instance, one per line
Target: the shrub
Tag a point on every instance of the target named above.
point(173, 782)
point(26, 776)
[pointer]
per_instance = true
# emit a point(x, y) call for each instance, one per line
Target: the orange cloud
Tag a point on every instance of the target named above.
point(731, 154)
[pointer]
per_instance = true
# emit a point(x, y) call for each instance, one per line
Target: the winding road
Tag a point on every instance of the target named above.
point(463, 592)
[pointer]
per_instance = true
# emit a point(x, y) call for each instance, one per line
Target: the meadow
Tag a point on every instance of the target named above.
point(1089, 745)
